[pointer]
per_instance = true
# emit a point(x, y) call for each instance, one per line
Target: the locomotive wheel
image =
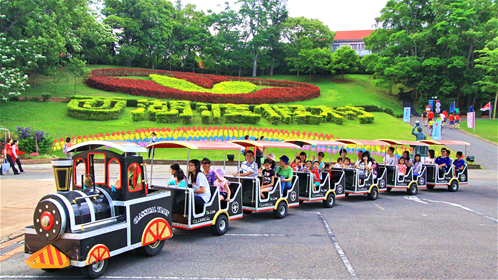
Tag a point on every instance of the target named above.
point(412, 189)
point(329, 202)
point(453, 186)
point(430, 187)
point(281, 210)
point(221, 226)
point(389, 189)
point(373, 194)
point(94, 270)
point(151, 249)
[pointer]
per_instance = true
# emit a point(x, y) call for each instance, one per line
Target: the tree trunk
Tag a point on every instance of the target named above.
point(494, 111)
point(36, 144)
point(255, 65)
point(458, 96)
point(75, 82)
point(310, 76)
point(297, 72)
point(240, 71)
point(342, 73)
point(272, 65)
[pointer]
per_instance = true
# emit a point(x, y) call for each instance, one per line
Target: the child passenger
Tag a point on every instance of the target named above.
point(296, 164)
point(401, 167)
point(459, 163)
point(338, 164)
point(307, 167)
point(316, 174)
point(417, 165)
point(179, 180)
point(268, 178)
point(223, 184)
point(347, 163)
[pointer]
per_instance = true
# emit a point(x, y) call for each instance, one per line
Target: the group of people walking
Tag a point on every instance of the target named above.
point(10, 155)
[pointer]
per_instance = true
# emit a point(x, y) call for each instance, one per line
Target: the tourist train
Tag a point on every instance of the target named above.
point(106, 204)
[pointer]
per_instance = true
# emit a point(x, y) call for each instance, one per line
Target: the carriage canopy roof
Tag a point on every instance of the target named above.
point(444, 142)
point(126, 147)
point(362, 142)
point(300, 142)
point(196, 145)
point(404, 142)
point(264, 144)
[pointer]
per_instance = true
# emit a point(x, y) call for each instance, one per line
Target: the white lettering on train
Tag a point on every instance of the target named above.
point(150, 210)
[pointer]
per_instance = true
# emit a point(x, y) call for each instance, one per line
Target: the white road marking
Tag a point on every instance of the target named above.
point(416, 199)
point(136, 277)
point(465, 208)
point(379, 206)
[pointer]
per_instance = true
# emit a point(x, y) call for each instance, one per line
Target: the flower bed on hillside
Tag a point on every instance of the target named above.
point(286, 92)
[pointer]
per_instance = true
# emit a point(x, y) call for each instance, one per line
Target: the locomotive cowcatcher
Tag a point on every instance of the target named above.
point(108, 209)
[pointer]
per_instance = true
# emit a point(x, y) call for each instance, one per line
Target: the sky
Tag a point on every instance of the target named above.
point(338, 15)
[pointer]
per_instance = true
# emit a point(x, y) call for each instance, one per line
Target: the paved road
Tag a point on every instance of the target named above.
point(485, 152)
point(436, 234)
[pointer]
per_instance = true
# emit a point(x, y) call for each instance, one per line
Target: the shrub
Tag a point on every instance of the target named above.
point(29, 137)
point(284, 112)
point(14, 98)
point(33, 99)
point(155, 107)
point(216, 113)
point(170, 116)
point(350, 115)
point(138, 114)
point(95, 109)
point(366, 118)
point(270, 114)
point(46, 96)
point(242, 117)
point(205, 116)
point(336, 118)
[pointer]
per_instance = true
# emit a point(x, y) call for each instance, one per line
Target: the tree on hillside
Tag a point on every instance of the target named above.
point(297, 63)
point(315, 60)
point(319, 34)
point(431, 44)
point(143, 23)
point(77, 69)
point(345, 59)
point(489, 63)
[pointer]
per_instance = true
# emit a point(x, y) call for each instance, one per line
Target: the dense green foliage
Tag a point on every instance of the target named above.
point(223, 87)
point(430, 47)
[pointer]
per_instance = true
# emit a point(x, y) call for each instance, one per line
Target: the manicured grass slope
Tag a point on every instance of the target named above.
point(485, 128)
point(356, 91)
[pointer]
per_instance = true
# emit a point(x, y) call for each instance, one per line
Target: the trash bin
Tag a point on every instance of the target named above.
point(63, 169)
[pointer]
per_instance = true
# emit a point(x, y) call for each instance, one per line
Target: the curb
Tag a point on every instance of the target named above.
point(485, 140)
point(11, 236)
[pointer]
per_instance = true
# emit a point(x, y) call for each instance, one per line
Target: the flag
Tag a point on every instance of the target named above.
point(452, 107)
point(436, 130)
point(431, 103)
point(486, 107)
point(471, 120)
point(406, 114)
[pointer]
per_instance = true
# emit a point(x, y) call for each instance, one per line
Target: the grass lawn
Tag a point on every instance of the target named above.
point(357, 90)
point(485, 128)
point(52, 117)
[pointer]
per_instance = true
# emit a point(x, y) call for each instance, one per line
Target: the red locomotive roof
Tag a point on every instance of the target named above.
point(352, 35)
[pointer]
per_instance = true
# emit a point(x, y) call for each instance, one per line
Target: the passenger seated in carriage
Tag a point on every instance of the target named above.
point(199, 182)
point(179, 180)
point(459, 163)
point(296, 165)
point(134, 178)
point(302, 156)
point(401, 167)
point(271, 157)
point(316, 174)
point(223, 184)
point(408, 161)
point(390, 158)
point(338, 164)
point(206, 165)
point(346, 163)
point(248, 168)
point(366, 167)
point(173, 169)
point(268, 178)
point(284, 172)
point(417, 165)
point(308, 167)
point(359, 154)
point(443, 162)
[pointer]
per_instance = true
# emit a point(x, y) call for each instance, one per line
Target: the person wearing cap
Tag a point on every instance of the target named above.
point(248, 168)
point(223, 184)
point(273, 163)
point(284, 172)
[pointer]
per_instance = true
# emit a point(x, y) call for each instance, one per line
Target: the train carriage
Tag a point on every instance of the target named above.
point(95, 218)
point(327, 191)
point(408, 181)
point(451, 178)
point(187, 214)
point(275, 200)
point(372, 185)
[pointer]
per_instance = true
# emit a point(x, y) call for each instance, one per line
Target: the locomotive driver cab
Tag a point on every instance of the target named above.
point(119, 169)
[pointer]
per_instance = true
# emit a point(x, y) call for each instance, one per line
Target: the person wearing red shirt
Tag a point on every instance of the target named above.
point(452, 120)
point(15, 155)
point(8, 155)
point(430, 115)
point(445, 118)
point(457, 121)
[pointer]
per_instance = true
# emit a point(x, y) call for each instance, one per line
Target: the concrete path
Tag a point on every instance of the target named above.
point(485, 152)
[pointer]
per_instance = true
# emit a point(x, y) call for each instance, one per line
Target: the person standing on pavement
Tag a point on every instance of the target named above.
point(8, 155)
point(16, 155)
point(1, 156)
point(457, 121)
point(68, 145)
point(424, 118)
point(153, 139)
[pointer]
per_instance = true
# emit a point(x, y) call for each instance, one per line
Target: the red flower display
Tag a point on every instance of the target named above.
point(285, 91)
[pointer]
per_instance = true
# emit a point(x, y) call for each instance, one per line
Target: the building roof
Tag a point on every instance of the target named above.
point(352, 34)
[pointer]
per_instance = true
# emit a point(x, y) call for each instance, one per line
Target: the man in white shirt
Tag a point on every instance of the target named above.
point(248, 168)
point(390, 158)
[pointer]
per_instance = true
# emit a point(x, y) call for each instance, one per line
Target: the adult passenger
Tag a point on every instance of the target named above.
point(432, 157)
point(443, 162)
point(248, 168)
point(199, 182)
point(406, 156)
point(390, 158)
point(359, 160)
point(206, 165)
point(321, 155)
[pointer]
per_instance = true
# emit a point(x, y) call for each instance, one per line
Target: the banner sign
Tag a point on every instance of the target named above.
point(471, 120)
point(406, 114)
point(453, 107)
point(437, 107)
point(431, 103)
point(436, 130)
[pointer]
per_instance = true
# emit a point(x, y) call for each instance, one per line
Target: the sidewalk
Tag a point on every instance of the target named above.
point(485, 152)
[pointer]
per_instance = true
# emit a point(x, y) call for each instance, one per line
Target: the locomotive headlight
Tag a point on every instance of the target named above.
point(47, 220)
